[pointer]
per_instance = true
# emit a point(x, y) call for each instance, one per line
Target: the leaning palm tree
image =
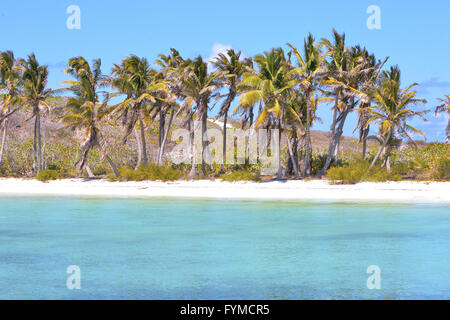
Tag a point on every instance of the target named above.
point(297, 102)
point(309, 74)
point(301, 107)
point(135, 79)
point(369, 80)
point(392, 111)
point(10, 85)
point(83, 110)
point(171, 69)
point(233, 68)
point(337, 69)
point(200, 86)
point(269, 86)
point(34, 94)
point(348, 71)
point(171, 66)
point(445, 107)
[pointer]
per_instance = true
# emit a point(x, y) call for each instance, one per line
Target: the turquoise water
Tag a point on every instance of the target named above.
point(221, 249)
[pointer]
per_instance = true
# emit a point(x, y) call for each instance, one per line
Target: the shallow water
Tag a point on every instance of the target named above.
point(222, 249)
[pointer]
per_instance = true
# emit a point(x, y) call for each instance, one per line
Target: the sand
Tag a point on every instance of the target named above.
point(273, 190)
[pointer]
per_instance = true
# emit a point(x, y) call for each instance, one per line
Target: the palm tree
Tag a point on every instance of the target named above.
point(200, 86)
point(10, 85)
point(297, 102)
point(369, 79)
point(270, 87)
point(392, 111)
point(309, 74)
point(445, 107)
point(163, 108)
point(347, 73)
point(171, 70)
point(338, 70)
point(83, 110)
point(34, 94)
point(135, 79)
point(233, 69)
point(300, 105)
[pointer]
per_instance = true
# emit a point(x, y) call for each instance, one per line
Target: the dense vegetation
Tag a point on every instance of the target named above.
point(278, 89)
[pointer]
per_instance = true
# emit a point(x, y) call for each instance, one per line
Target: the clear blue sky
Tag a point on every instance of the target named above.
point(414, 34)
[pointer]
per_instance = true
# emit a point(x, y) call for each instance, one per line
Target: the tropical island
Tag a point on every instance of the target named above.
point(125, 125)
point(220, 151)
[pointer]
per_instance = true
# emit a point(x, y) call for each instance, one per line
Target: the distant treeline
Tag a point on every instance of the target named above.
point(278, 89)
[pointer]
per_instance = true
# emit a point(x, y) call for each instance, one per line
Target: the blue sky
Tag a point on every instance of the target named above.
point(414, 34)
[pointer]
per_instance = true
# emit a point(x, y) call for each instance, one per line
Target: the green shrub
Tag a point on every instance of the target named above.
point(381, 175)
point(442, 169)
point(352, 173)
point(48, 174)
point(241, 175)
point(402, 167)
point(54, 166)
point(427, 161)
point(358, 171)
point(164, 173)
point(427, 157)
point(318, 162)
point(147, 172)
point(100, 169)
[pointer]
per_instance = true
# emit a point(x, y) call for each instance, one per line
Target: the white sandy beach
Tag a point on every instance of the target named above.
point(292, 190)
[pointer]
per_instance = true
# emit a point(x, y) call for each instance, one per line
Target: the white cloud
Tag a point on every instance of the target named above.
point(215, 50)
point(432, 83)
point(219, 48)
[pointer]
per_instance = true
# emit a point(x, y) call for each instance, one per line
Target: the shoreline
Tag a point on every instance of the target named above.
point(206, 189)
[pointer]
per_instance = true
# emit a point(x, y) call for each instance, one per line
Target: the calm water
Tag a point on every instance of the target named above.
point(179, 249)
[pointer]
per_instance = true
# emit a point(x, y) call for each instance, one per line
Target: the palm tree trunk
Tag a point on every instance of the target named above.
point(39, 144)
point(113, 166)
point(44, 145)
point(191, 128)
point(166, 134)
point(279, 174)
point(138, 143)
point(204, 142)
point(364, 129)
point(247, 150)
point(295, 150)
point(143, 144)
point(447, 132)
point(307, 164)
point(380, 151)
point(2, 150)
point(364, 146)
point(230, 97)
point(291, 154)
point(37, 166)
point(331, 144)
point(162, 120)
point(224, 147)
point(330, 154)
point(336, 150)
point(333, 149)
point(35, 147)
point(209, 153)
point(5, 116)
point(89, 172)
